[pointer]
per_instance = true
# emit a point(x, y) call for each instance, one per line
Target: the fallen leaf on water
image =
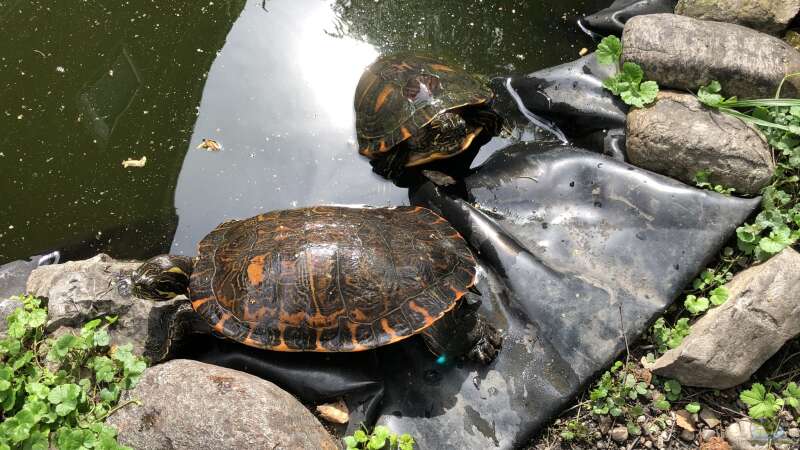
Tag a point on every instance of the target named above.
point(334, 412)
point(134, 162)
point(583, 51)
point(210, 145)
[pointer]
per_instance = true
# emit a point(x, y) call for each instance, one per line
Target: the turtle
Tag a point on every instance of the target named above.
point(331, 279)
point(414, 109)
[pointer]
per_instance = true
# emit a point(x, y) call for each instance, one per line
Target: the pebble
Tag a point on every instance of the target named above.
point(793, 433)
point(648, 444)
point(619, 434)
point(687, 435)
point(707, 434)
point(709, 417)
point(601, 444)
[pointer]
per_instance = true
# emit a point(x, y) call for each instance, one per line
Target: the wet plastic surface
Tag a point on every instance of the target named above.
point(612, 20)
point(576, 250)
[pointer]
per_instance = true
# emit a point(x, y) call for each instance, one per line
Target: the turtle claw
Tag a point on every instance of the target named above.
point(487, 347)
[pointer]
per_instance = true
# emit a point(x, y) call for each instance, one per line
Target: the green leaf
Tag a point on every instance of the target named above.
point(376, 443)
point(360, 436)
point(719, 296)
point(405, 442)
point(696, 305)
point(762, 405)
point(632, 73)
point(791, 395)
point(609, 51)
point(709, 95)
point(661, 404)
point(693, 407)
point(648, 91)
point(350, 442)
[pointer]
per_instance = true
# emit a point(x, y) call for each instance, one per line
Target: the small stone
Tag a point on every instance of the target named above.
point(605, 424)
point(707, 434)
point(760, 316)
point(740, 435)
point(715, 443)
point(619, 434)
point(641, 419)
point(684, 420)
point(709, 417)
point(793, 433)
point(601, 444)
point(648, 444)
point(336, 412)
point(687, 435)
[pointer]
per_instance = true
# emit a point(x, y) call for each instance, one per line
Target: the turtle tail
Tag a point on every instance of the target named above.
point(163, 277)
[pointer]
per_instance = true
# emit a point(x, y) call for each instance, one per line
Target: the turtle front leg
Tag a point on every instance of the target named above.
point(463, 332)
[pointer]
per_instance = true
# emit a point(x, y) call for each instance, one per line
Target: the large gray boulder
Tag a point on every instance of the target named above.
point(732, 341)
point(683, 53)
point(678, 136)
point(192, 405)
point(79, 291)
point(769, 16)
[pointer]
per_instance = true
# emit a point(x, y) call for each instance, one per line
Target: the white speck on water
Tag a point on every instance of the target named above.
point(60, 69)
point(111, 73)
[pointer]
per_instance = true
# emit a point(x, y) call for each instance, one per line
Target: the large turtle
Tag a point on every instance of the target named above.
point(420, 109)
point(331, 279)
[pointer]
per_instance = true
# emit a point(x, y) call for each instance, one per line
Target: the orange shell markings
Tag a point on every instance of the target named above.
point(255, 270)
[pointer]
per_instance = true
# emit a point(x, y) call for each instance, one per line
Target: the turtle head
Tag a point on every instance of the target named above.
point(162, 277)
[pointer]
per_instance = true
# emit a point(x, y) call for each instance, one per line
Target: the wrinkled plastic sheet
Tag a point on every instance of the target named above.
point(578, 252)
point(612, 20)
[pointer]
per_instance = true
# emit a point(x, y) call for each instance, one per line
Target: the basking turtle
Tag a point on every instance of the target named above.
point(331, 279)
point(419, 109)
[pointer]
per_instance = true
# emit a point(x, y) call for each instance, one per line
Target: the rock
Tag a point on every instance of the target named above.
point(709, 417)
point(707, 434)
point(684, 420)
point(793, 433)
point(687, 435)
point(619, 434)
point(7, 306)
point(768, 16)
point(678, 136)
point(731, 341)
point(742, 435)
point(79, 291)
point(683, 53)
point(334, 412)
point(188, 404)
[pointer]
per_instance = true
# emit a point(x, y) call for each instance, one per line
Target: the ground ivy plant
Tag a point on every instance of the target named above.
point(765, 406)
point(56, 392)
point(628, 83)
point(777, 226)
point(381, 438)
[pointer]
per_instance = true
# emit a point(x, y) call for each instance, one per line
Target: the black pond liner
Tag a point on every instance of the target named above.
point(576, 249)
point(612, 19)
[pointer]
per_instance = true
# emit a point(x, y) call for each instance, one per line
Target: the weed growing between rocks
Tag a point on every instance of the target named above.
point(56, 392)
point(381, 438)
point(629, 82)
point(629, 407)
point(777, 226)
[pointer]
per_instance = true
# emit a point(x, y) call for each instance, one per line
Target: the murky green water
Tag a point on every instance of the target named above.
point(87, 84)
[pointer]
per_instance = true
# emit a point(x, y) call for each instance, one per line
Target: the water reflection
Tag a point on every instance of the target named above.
point(85, 85)
point(281, 104)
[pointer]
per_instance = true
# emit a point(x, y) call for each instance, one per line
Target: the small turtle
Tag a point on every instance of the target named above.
point(419, 109)
point(331, 279)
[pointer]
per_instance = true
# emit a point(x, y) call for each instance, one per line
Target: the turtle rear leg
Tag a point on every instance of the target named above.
point(463, 332)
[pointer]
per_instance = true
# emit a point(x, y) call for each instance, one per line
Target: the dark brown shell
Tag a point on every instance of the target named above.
point(399, 94)
point(330, 278)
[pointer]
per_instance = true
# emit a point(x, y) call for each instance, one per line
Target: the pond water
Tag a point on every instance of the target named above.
point(85, 85)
